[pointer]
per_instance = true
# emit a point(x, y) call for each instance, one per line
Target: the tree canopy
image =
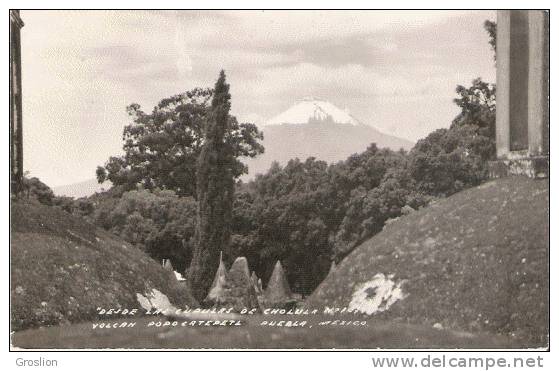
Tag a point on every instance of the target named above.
point(161, 148)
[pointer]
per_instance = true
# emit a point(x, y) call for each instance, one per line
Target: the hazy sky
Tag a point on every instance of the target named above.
point(394, 70)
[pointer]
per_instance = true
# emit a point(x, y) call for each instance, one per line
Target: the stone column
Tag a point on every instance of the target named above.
point(518, 80)
point(16, 139)
point(538, 76)
point(522, 123)
point(503, 83)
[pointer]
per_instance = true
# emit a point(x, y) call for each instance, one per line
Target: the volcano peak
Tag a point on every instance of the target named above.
point(313, 110)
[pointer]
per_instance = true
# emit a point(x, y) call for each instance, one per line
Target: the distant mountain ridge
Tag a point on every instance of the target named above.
point(310, 128)
point(317, 128)
point(81, 189)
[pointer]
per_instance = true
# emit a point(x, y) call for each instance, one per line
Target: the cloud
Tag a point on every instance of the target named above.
point(272, 28)
point(396, 70)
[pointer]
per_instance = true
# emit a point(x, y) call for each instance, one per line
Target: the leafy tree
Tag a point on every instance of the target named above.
point(35, 189)
point(367, 210)
point(161, 148)
point(450, 160)
point(478, 108)
point(491, 28)
point(478, 102)
point(83, 207)
point(158, 222)
point(65, 203)
point(286, 214)
point(217, 168)
point(365, 169)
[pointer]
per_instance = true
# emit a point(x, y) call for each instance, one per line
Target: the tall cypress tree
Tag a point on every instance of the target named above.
point(215, 187)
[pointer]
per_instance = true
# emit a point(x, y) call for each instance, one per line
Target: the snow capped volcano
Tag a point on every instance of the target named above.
point(313, 110)
point(316, 128)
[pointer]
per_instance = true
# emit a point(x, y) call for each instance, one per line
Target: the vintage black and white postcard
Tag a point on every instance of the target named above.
point(279, 179)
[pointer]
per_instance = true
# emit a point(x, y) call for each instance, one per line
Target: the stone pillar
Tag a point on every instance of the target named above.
point(16, 140)
point(502, 139)
point(522, 124)
point(538, 74)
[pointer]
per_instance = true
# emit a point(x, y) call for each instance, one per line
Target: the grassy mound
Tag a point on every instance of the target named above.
point(477, 261)
point(63, 269)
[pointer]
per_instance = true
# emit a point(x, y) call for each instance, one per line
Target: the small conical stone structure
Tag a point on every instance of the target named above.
point(167, 265)
point(278, 290)
point(254, 278)
point(240, 292)
point(217, 290)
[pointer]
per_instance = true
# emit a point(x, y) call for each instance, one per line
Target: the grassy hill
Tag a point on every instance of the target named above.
point(476, 261)
point(63, 268)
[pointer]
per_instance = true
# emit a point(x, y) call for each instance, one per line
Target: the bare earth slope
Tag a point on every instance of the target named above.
point(63, 268)
point(476, 261)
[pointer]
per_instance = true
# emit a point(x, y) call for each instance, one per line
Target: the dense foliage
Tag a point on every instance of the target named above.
point(308, 213)
point(161, 148)
point(37, 190)
point(491, 28)
point(174, 194)
point(158, 222)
